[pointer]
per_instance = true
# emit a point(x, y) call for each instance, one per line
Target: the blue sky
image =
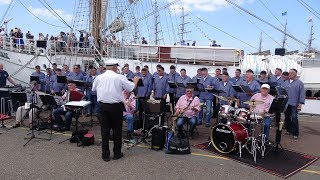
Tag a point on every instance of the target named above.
point(215, 12)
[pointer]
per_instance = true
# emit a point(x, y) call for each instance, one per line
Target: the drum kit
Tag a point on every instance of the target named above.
point(239, 131)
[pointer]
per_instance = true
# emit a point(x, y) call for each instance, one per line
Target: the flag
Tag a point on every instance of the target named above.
point(310, 19)
point(284, 13)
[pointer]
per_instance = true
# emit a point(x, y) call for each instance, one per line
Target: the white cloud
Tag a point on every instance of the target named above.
point(45, 13)
point(5, 1)
point(205, 5)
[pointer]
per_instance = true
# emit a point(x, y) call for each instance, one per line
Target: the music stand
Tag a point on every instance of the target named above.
point(61, 79)
point(197, 86)
point(242, 89)
point(77, 106)
point(35, 78)
point(278, 105)
point(214, 91)
point(50, 102)
point(32, 108)
point(18, 98)
point(140, 82)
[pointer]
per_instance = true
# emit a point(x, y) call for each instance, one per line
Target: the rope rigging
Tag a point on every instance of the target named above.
point(234, 37)
point(38, 17)
point(266, 22)
point(52, 11)
point(310, 9)
point(7, 10)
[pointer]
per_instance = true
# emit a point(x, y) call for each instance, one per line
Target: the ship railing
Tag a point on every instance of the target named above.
point(17, 44)
point(175, 54)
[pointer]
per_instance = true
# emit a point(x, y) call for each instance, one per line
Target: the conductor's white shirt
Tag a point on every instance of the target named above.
point(109, 87)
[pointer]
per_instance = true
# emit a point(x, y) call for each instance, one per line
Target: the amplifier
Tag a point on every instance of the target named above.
point(151, 120)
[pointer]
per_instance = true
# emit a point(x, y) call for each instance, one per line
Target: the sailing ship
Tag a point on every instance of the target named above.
point(114, 28)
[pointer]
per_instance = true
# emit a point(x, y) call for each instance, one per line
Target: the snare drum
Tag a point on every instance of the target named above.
point(241, 115)
point(226, 111)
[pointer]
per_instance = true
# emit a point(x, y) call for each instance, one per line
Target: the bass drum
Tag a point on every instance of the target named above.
point(225, 137)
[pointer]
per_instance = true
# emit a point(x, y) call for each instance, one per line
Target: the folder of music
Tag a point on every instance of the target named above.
point(242, 89)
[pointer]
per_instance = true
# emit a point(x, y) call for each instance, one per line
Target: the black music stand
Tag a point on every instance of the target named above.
point(61, 79)
point(33, 136)
point(214, 91)
point(197, 86)
point(278, 105)
point(140, 82)
point(175, 85)
point(242, 89)
point(50, 102)
point(35, 78)
point(77, 111)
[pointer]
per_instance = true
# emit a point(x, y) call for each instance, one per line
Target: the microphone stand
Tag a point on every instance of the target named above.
point(32, 109)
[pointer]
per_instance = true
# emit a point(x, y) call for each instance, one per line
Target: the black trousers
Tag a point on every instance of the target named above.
point(141, 110)
point(162, 107)
point(172, 101)
point(111, 118)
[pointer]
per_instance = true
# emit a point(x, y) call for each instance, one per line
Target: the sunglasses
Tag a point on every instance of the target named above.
point(188, 90)
point(75, 68)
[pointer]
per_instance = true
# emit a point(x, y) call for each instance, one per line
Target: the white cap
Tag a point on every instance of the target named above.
point(265, 86)
point(112, 62)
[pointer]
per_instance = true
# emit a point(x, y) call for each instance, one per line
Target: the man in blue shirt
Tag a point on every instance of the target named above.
point(226, 86)
point(92, 95)
point(4, 76)
point(48, 77)
point(76, 74)
point(173, 76)
point(252, 84)
point(127, 73)
point(55, 87)
point(276, 78)
point(237, 79)
point(296, 97)
point(66, 71)
point(42, 78)
point(196, 79)
point(137, 73)
point(143, 93)
point(206, 97)
point(184, 79)
point(160, 88)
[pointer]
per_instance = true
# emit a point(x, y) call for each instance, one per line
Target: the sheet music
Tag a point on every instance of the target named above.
point(78, 103)
point(59, 100)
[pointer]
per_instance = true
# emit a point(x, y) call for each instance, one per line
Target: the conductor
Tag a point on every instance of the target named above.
point(109, 87)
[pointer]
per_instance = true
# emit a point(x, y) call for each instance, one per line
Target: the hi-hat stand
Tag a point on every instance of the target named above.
point(32, 109)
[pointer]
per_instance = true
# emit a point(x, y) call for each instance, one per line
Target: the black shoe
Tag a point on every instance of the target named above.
point(106, 159)
point(65, 129)
point(16, 126)
point(129, 136)
point(118, 156)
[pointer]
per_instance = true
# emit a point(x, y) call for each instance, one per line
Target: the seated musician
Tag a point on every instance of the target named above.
point(129, 102)
point(262, 109)
point(226, 86)
point(188, 105)
point(68, 114)
point(31, 98)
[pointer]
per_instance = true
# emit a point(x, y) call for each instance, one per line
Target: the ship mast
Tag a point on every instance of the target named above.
point(260, 44)
point(310, 38)
point(183, 25)
point(98, 20)
point(156, 23)
point(284, 35)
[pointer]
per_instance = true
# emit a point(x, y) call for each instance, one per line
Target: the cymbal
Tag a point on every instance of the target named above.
point(221, 97)
point(253, 102)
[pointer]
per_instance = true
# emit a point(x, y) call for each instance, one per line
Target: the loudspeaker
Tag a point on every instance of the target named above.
point(280, 51)
point(158, 138)
point(42, 44)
